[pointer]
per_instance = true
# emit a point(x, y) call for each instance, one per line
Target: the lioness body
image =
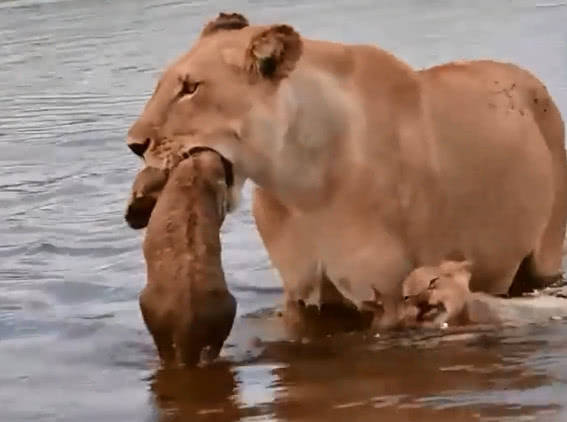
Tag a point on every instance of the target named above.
point(185, 304)
point(365, 167)
point(468, 156)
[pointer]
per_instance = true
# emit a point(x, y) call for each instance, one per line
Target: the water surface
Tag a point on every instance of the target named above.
point(73, 76)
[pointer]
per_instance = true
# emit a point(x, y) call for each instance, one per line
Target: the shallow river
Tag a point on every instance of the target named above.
point(73, 76)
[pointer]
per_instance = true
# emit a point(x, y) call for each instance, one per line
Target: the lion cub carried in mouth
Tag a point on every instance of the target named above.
point(186, 304)
point(438, 295)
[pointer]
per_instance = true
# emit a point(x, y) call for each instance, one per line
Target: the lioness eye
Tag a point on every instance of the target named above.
point(188, 88)
point(432, 282)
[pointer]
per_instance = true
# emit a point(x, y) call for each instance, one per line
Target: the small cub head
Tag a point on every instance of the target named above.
point(437, 293)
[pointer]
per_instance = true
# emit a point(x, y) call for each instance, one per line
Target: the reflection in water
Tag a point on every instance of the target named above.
point(398, 377)
point(220, 392)
point(257, 388)
point(74, 74)
point(184, 394)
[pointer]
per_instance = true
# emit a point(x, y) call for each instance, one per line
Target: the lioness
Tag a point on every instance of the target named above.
point(353, 150)
point(186, 305)
point(440, 295)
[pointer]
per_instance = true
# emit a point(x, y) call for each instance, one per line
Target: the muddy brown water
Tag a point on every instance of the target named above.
point(73, 76)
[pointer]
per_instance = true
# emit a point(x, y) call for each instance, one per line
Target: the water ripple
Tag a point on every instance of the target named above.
point(74, 74)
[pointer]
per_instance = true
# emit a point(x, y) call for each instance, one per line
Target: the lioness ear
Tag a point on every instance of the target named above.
point(273, 53)
point(225, 21)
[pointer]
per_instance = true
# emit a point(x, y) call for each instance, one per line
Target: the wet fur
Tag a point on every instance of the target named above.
point(186, 305)
point(439, 295)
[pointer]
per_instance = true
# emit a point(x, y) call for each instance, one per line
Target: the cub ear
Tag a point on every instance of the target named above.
point(460, 271)
point(273, 53)
point(225, 21)
point(449, 266)
point(464, 275)
point(455, 255)
point(457, 260)
point(467, 265)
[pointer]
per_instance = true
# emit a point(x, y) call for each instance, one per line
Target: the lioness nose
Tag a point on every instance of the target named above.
point(138, 146)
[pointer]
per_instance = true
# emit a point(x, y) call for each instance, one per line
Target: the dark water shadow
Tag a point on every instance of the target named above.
point(186, 394)
point(483, 375)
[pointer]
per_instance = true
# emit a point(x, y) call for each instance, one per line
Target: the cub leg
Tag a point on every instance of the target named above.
point(158, 327)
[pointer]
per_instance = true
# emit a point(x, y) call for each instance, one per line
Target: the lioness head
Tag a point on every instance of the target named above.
point(221, 95)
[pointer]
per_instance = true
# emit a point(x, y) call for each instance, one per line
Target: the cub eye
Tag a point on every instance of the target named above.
point(188, 88)
point(432, 283)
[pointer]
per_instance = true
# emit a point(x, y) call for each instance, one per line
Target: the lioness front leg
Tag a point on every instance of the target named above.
point(313, 305)
point(290, 248)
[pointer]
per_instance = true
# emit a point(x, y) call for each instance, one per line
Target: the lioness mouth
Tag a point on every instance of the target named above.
point(428, 311)
point(228, 171)
point(140, 207)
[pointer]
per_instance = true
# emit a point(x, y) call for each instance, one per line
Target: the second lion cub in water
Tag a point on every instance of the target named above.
point(186, 304)
point(439, 295)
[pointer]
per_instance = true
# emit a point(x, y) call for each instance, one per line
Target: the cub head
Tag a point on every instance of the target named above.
point(221, 95)
point(146, 188)
point(437, 293)
point(213, 170)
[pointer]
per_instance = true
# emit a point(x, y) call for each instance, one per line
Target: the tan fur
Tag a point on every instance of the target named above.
point(186, 304)
point(368, 168)
point(146, 189)
point(273, 53)
point(441, 294)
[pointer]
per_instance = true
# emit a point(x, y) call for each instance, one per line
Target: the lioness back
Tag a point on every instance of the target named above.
point(498, 142)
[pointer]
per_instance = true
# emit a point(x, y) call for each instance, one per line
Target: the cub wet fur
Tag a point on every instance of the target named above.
point(439, 295)
point(186, 304)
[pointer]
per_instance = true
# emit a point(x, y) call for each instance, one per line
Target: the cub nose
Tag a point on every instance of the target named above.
point(138, 146)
